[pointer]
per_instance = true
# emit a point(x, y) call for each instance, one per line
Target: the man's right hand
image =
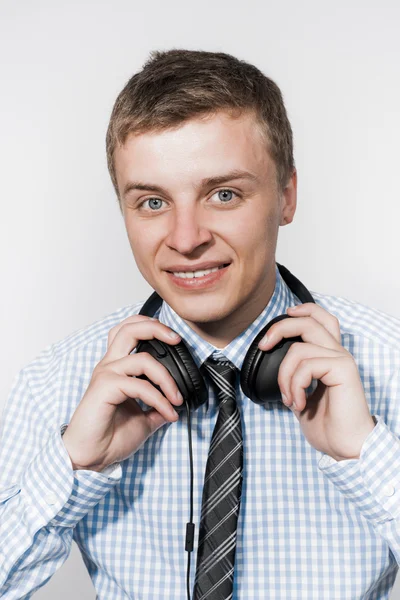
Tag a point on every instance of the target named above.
point(108, 425)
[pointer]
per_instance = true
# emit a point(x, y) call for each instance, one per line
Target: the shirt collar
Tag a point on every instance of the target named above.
point(235, 351)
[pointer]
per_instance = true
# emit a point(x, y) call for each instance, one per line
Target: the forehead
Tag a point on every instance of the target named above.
point(202, 146)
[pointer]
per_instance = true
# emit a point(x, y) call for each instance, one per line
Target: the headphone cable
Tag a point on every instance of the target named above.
point(189, 526)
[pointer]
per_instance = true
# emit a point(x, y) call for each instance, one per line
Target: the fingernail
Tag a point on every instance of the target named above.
point(173, 335)
point(264, 340)
point(285, 400)
point(179, 396)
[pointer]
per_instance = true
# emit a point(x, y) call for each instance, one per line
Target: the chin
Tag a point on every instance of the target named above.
point(199, 310)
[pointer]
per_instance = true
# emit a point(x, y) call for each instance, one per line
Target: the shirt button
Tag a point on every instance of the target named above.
point(388, 490)
point(51, 498)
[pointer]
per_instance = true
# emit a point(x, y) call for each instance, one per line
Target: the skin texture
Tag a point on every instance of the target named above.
point(192, 225)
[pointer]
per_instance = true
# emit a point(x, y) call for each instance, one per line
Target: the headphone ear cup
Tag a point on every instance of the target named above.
point(194, 380)
point(248, 368)
point(180, 364)
point(260, 369)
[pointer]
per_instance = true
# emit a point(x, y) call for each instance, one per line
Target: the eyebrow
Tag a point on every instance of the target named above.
point(206, 182)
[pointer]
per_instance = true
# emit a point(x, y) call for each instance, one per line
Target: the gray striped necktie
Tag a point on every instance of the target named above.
point(221, 492)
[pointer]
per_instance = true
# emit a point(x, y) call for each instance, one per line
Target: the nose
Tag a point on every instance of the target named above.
point(187, 231)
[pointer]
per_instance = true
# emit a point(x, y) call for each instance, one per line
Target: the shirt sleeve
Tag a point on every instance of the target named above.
point(41, 497)
point(372, 481)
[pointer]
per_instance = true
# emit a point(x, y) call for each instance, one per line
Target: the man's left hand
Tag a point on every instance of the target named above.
point(335, 418)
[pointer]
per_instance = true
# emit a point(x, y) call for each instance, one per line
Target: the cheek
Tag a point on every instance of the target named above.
point(255, 234)
point(144, 241)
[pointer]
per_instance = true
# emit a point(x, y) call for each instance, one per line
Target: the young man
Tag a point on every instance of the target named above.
point(200, 153)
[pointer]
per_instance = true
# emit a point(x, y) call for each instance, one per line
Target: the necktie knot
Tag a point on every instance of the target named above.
point(222, 374)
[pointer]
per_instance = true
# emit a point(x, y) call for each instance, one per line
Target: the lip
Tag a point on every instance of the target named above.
point(198, 283)
point(199, 267)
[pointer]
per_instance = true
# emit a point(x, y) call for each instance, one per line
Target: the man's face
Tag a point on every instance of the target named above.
point(204, 195)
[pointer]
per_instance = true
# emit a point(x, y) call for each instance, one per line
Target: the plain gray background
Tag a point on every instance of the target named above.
point(65, 257)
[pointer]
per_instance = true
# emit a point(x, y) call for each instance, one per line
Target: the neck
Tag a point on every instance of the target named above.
point(220, 333)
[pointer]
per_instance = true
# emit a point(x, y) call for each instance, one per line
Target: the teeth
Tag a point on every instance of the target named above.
point(191, 274)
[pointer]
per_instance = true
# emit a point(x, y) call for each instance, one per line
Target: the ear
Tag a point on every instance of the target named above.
point(289, 200)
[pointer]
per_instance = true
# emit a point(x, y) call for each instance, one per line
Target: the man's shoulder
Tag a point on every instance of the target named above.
point(83, 342)
point(97, 330)
point(357, 319)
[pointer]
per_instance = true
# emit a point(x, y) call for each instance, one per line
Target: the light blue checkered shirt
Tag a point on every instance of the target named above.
point(309, 528)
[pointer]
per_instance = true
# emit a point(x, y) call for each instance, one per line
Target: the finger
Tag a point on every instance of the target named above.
point(154, 419)
point(309, 309)
point(129, 334)
point(151, 417)
point(145, 364)
point(132, 319)
point(133, 387)
point(307, 328)
point(299, 352)
point(331, 371)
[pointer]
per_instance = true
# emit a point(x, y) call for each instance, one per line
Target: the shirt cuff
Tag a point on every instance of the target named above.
point(372, 481)
point(54, 493)
point(115, 469)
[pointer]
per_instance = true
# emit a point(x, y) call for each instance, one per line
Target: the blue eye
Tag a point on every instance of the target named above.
point(154, 203)
point(225, 195)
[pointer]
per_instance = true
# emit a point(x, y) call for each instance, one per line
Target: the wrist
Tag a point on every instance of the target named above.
point(75, 465)
point(356, 455)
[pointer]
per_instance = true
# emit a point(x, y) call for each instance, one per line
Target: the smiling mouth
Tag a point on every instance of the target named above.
point(197, 274)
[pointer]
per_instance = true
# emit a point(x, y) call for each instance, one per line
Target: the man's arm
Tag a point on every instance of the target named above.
point(372, 481)
point(41, 497)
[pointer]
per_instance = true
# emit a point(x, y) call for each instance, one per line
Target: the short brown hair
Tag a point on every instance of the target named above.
point(177, 85)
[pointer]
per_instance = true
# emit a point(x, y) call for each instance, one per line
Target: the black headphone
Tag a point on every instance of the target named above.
point(258, 376)
point(259, 373)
